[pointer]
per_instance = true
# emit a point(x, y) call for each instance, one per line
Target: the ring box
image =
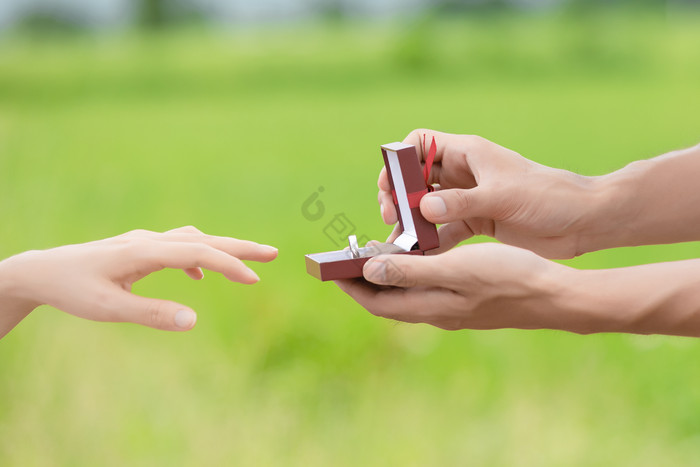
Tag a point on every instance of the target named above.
point(418, 235)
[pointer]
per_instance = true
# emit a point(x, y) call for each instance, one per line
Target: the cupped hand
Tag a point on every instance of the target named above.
point(485, 189)
point(93, 280)
point(482, 286)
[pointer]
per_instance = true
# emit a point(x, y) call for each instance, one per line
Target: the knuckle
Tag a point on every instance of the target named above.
point(462, 200)
point(202, 249)
point(202, 252)
point(405, 277)
point(109, 307)
point(380, 310)
point(473, 140)
point(155, 314)
point(397, 274)
point(190, 229)
point(138, 233)
point(134, 245)
point(416, 135)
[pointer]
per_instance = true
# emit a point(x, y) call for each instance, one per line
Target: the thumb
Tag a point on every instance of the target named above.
point(155, 313)
point(455, 204)
point(404, 270)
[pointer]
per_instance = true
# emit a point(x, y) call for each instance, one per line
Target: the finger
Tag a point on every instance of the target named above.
point(394, 233)
point(194, 273)
point(407, 305)
point(457, 204)
point(387, 208)
point(383, 182)
point(181, 255)
point(386, 202)
point(242, 249)
point(416, 138)
point(462, 150)
point(154, 313)
point(406, 271)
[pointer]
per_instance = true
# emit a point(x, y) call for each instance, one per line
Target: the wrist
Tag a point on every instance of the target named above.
point(608, 222)
point(555, 301)
point(573, 301)
point(15, 292)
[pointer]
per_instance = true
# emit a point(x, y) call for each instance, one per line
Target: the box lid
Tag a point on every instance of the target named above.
point(408, 186)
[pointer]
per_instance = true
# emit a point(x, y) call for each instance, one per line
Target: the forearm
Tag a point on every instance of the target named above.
point(647, 202)
point(15, 305)
point(662, 298)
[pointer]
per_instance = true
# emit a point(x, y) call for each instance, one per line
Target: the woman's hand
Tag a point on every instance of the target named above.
point(93, 280)
point(486, 189)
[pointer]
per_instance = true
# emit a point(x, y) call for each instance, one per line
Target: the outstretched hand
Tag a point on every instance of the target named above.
point(93, 280)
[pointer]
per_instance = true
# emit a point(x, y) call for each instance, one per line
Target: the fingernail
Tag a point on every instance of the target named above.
point(185, 319)
point(253, 276)
point(374, 270)
point(270, 247)
point(435, 205)
point(381, 211)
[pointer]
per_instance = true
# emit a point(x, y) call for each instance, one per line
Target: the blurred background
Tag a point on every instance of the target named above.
point(235, 116)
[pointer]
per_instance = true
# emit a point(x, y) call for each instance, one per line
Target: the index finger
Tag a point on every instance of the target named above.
point(241, 249)
point(152, 256)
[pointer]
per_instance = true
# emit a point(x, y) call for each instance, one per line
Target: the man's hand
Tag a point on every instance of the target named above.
point(484, 286)
point(486, 189)
point(93, 280)
point(489, 286)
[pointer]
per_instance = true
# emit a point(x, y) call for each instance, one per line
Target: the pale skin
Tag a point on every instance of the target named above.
point(93, 280)
point(539, 212)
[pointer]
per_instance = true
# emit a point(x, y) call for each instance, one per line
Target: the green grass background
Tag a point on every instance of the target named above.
point(231, 132)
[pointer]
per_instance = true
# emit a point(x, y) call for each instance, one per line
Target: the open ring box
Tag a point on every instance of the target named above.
point(417, 236)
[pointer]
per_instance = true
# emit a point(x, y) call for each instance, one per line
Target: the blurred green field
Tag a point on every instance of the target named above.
point(231, 132)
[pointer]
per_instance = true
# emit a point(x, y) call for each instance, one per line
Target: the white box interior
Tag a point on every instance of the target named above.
point(408, 238)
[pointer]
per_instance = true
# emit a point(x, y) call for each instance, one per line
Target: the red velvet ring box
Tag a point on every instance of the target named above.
point(417, 234)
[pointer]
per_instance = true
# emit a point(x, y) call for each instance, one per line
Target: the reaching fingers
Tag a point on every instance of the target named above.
point(157, 255)
point(241, 249)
